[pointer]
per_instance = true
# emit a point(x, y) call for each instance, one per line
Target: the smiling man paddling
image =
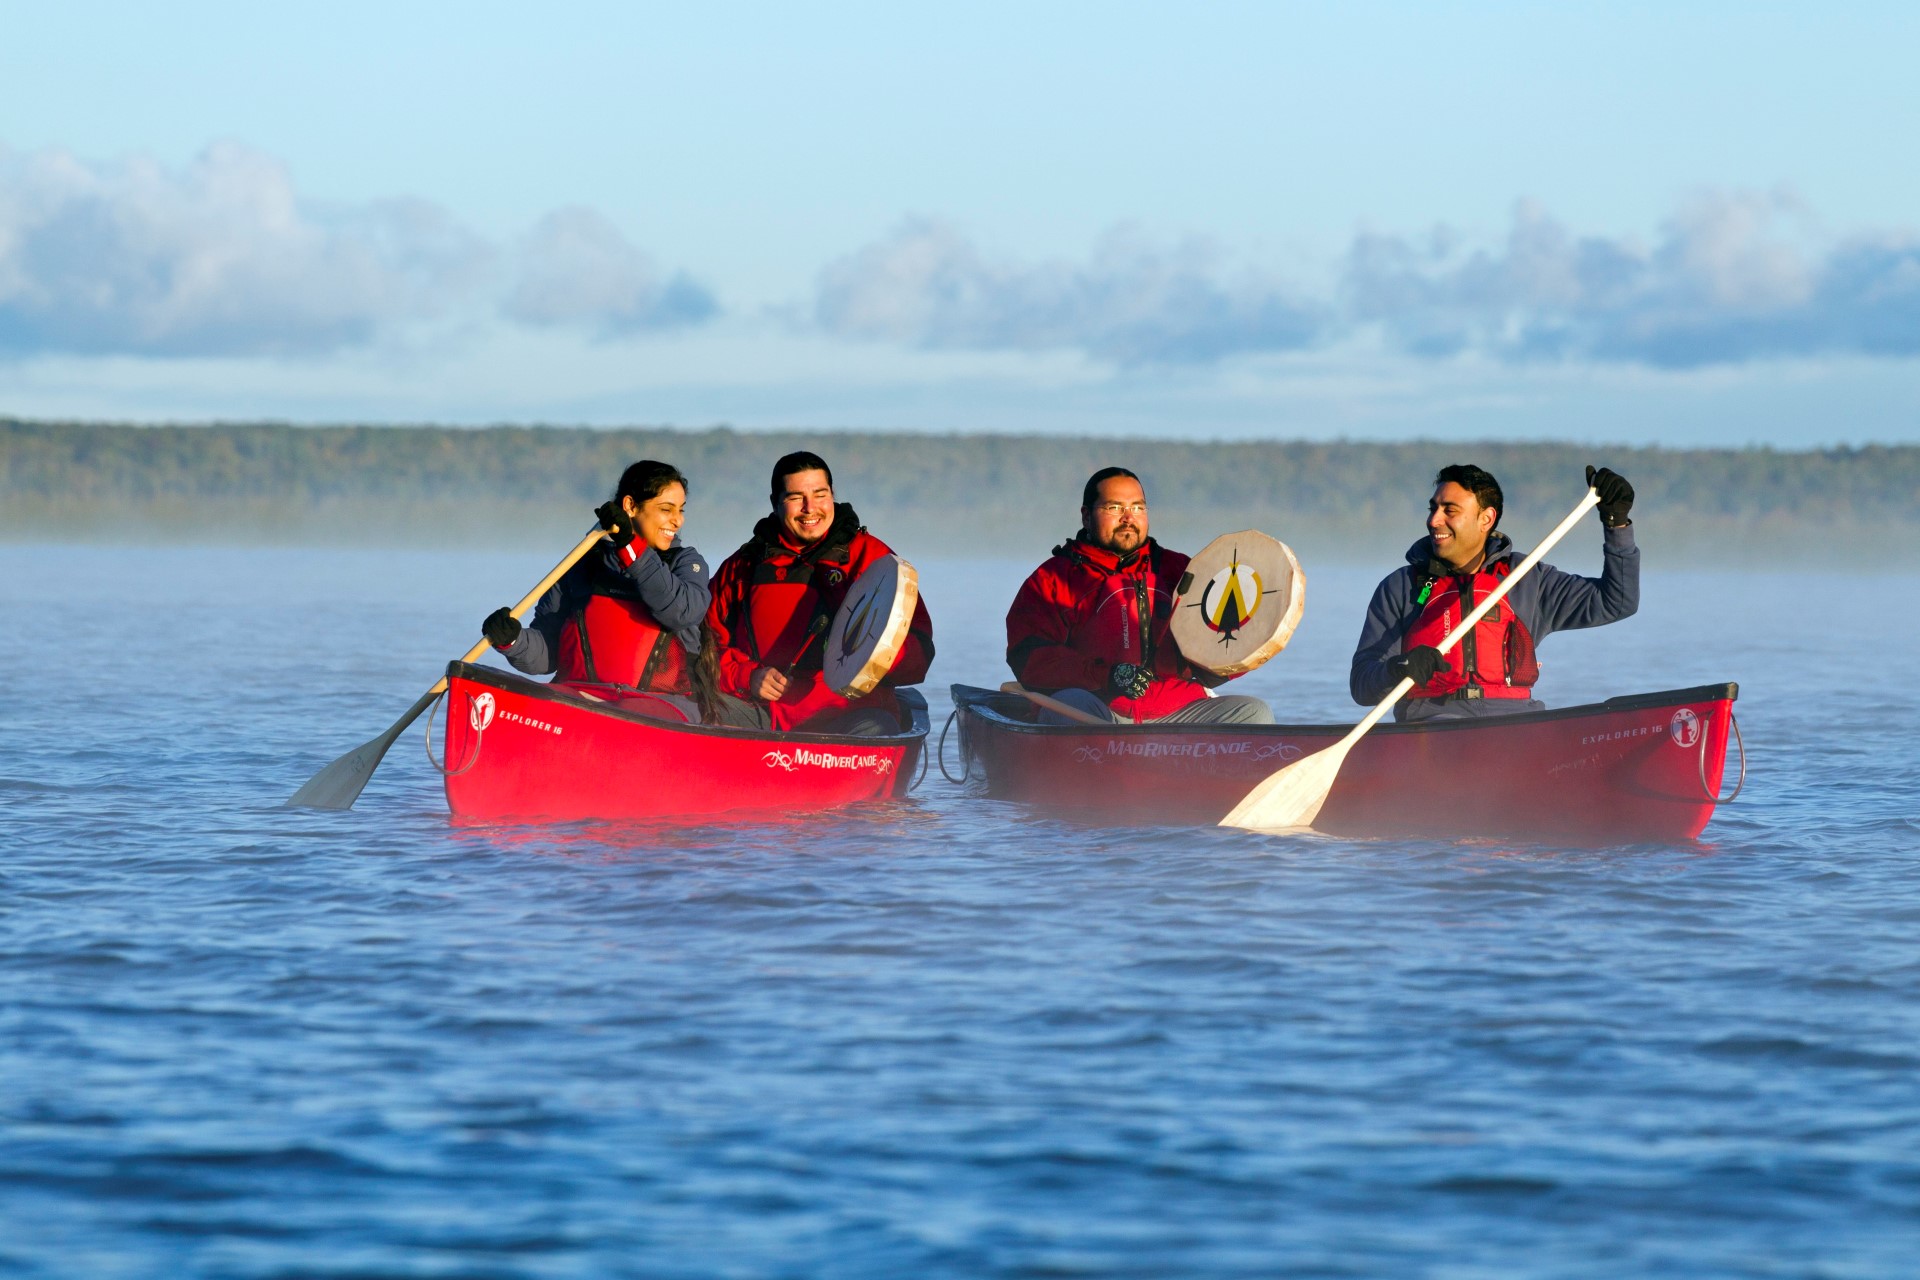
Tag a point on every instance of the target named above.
point(1090, 626)
point(773, 597)
point(1463, 557)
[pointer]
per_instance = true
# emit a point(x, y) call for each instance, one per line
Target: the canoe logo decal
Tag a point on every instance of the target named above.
point(1151, 749)
point(789, 761)
point(1639, 731)
point(1230, 598)
point(1685, 727)
point(861, 624)
point(480, 712)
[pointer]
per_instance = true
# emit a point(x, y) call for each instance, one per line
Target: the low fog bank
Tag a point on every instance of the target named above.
point(937, 497)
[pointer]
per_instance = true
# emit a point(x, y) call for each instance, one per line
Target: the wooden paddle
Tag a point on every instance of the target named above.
point(1289, 799)
point(1053, 704)
point(339, 784)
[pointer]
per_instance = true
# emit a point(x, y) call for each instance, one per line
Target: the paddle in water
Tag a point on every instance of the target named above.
point(1290, 798)
point(339, 784)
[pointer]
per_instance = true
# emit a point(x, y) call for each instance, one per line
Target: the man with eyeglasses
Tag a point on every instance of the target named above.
point(1089, 627)
point(772, 598)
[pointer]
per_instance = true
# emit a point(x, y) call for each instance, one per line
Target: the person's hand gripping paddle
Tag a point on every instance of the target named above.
point(339, 784)
point(1290, 798)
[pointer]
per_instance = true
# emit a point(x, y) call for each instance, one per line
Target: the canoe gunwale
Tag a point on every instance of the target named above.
point(986, 703)
point(911, 699)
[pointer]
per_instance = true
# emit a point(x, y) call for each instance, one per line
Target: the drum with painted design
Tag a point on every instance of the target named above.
point(870, 627)
point(1238, 602)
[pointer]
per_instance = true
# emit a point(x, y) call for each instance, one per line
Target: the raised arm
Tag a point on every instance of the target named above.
point(1569, 602)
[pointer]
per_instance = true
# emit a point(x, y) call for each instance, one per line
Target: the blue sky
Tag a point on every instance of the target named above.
point(1607, 223)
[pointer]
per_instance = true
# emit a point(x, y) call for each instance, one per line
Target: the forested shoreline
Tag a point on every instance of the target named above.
point(930, 495)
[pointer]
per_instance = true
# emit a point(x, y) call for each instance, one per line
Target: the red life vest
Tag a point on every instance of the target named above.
point(1494, 660)
point(790, 599)
point(616, 641)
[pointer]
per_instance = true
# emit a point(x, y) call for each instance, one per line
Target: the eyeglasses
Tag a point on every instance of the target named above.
point(1115, 508)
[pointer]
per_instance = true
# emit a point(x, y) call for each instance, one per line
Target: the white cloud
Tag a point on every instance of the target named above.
point(1131, 303)
point(1730, 278)
point(575, 268)
point(225, 258)
point(221, 257)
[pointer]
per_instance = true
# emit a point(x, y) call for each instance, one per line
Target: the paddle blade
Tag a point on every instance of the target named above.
point(1289, 799)
point(339, 784)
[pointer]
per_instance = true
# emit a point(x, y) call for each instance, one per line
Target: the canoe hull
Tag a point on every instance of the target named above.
point(521, 749)
point(1637, 768)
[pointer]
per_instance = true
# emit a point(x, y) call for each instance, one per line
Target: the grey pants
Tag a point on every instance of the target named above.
point(1232, 708)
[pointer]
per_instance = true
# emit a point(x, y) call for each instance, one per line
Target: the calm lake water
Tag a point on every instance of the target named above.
point(945, 1037)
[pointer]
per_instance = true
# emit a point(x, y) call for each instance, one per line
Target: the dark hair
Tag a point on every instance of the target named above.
point(797, 461)
point(645, 479)
point(1481, 484)
point(1091, 494)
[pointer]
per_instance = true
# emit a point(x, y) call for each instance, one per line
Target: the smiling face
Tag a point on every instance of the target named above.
point(1117, 520)
point(805, 505)
point(659, 518)
point(1459, 525)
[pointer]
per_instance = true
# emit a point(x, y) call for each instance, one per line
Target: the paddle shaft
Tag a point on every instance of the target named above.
point(529, 600)
point(1053, 704)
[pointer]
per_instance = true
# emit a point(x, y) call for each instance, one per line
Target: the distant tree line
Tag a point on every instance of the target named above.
point(929, 495)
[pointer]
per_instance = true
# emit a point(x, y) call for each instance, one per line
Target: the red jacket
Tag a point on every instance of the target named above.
point(1080, 613)
point(765, 599)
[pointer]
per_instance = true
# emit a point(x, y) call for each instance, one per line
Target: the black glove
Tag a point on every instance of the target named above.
point(1128, 681)
point(1418, 666)
point(501, 628)
point(1616, 496)
point(618, 524)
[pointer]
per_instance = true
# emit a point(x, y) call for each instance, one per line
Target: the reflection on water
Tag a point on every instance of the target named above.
point(944, 1036)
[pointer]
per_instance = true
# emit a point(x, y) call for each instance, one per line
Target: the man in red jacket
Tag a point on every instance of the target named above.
point(775, 596)
point(1090, 625)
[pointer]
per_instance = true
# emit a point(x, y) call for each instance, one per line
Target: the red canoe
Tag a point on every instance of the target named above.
point(519, 748)
point(1646, 767)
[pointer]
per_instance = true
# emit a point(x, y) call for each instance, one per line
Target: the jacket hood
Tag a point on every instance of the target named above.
point(1078, 548)
point(770, 536)
point(1420, 554)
